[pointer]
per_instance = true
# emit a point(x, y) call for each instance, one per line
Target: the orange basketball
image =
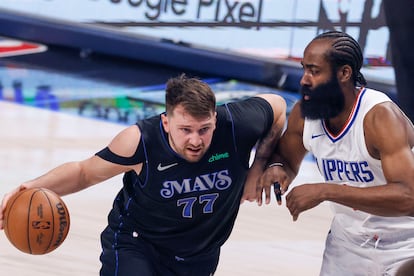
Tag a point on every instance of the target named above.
point(36, 221)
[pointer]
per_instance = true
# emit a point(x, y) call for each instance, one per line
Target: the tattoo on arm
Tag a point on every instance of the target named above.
point(267, 145)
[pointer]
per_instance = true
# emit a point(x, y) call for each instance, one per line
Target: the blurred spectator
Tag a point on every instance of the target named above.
point(400, 20)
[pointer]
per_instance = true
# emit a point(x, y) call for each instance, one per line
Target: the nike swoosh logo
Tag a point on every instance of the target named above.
point(317, 135)
point(161, 168)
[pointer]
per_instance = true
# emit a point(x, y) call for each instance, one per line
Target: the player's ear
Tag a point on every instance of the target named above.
point(215, 119)
point(344, 73)
point(164, 121)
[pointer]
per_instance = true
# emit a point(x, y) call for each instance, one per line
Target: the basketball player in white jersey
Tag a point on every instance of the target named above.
point(363, 145)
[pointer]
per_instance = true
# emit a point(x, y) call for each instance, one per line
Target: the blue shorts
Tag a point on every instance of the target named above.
point(125, 254)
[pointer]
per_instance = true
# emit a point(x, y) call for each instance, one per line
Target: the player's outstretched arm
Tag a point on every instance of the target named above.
point(74, 176)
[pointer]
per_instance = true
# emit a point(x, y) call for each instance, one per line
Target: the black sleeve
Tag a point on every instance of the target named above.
point(110, 156)
point(252, 118)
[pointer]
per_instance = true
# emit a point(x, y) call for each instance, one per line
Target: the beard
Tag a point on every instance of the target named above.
point(324, 101)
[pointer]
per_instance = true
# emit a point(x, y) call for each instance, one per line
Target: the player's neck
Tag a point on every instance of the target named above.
point(336, 124)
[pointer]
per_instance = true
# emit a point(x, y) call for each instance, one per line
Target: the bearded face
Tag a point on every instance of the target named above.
point(324, 101)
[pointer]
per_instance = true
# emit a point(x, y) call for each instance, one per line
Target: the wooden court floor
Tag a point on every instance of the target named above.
point(265, 241)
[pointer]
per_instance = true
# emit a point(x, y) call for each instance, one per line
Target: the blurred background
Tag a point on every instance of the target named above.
point(74, 73)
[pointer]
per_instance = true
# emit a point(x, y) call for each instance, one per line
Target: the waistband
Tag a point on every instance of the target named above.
point(371, 237)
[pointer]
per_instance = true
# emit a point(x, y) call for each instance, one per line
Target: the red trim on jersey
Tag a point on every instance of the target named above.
point(348, 121)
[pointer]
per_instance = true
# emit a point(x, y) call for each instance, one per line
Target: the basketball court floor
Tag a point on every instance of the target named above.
point(52, 111)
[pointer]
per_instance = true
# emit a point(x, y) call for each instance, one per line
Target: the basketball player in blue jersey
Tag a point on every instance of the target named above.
point(363, 145)
point(184, 174)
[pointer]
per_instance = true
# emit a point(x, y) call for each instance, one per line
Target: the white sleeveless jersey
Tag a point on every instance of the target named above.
point(344, 159)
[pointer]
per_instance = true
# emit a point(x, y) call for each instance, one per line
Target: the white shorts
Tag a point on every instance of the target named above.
point(361, 256)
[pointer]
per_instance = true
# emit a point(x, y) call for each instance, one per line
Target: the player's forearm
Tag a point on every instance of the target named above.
point(264, 151)
point(266, 147)
point(386, 200)
point(64, 179)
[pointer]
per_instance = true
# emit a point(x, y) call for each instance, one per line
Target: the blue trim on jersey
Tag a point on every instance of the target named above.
point(146, 164)
point(166, 141)
point(116, 254)
point(350, 123)
point(128, 202)
point(162, 132)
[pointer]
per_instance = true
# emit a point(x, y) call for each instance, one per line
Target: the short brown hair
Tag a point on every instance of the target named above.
point(193, 94)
